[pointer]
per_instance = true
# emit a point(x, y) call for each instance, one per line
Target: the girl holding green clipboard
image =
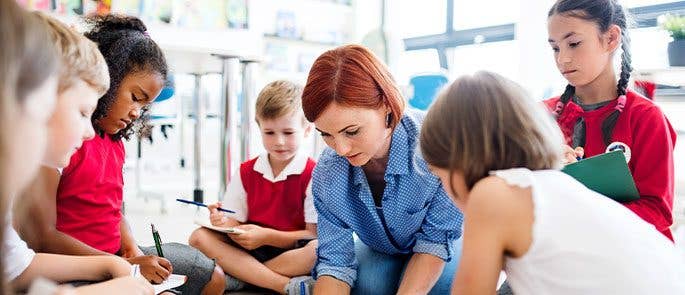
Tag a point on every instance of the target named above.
point(599, 113)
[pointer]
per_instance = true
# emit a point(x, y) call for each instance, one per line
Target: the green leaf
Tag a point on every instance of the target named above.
point(674, 24)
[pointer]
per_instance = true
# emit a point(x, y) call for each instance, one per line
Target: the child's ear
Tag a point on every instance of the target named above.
point(613, 38)
point(307, 129)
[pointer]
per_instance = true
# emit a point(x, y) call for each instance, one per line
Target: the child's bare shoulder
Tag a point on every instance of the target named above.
point(499, 189)
point(492, 195)
point(505, 209)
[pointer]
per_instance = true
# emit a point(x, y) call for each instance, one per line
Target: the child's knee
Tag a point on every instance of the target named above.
point(310, 249)
point(218, 276)
point(198, 237)
point(217, 282)
point(312, 244)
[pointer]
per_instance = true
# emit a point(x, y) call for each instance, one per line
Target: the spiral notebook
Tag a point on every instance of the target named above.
point(607, 174)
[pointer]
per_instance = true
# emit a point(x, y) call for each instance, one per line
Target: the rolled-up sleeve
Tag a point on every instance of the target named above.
point(440, 228)
point(335, 254)
point(310, 215)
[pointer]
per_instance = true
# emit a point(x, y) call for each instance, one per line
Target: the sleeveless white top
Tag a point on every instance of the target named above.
point(586, 243)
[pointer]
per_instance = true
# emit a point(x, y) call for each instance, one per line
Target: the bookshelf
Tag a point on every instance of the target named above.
point(296, 32)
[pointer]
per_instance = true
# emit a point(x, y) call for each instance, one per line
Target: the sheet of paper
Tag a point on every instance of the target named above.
point(228, 230)
point(171, 282)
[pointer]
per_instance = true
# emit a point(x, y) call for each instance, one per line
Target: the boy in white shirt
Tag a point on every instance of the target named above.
point(272, 198)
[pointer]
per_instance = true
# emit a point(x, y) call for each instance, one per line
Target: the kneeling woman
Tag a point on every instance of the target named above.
point(372, 184)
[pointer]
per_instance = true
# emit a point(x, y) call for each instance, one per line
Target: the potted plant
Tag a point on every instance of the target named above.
point(675, 25)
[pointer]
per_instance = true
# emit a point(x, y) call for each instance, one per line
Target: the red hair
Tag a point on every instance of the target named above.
point(352, 76)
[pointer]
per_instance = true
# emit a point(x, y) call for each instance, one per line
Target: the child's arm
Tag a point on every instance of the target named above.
point(123, 285)
point(36, 217)
point(288, 239)
point(498, 220)
point(64, 268)
point(129, 247)
point(653, 168)
point(256, 236)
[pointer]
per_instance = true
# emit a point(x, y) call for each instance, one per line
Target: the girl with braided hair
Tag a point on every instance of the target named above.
point(597, 113)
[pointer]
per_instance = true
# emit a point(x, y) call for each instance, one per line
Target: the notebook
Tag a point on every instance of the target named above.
point(607, 174)
point(228, 230)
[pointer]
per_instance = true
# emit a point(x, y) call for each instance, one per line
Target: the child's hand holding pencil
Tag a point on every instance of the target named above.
point(155, 269)
point(215, 217)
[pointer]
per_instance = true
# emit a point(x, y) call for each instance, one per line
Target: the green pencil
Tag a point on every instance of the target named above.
point(158, 241)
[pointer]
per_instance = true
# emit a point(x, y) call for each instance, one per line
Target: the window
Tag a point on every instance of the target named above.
point(648, 48)
point(414, 62)
point(499, 57)
point(417, 18)
point(485, 13)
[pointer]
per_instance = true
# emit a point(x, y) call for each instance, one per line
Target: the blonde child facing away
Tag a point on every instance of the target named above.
point(272, 197)
point(497, 154)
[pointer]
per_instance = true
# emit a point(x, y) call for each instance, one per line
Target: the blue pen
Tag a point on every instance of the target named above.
point(579, 149)
point(203, 205)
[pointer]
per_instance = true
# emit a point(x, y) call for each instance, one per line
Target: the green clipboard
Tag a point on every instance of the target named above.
point(607, 174)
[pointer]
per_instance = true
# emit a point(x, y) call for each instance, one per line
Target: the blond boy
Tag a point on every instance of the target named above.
point(271, 195)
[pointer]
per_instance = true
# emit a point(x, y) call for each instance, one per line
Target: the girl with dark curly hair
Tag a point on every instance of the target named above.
point(86, 217)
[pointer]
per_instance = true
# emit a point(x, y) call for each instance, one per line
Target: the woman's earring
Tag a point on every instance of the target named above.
point(388, 121)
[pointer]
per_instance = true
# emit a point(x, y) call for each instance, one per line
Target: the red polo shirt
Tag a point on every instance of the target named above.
point(90, 194)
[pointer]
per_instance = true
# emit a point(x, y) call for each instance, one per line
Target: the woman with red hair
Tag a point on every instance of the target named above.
point(372, 182)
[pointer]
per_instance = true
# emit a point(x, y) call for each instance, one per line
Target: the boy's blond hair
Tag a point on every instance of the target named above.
point(81, 59)
point(277, 99)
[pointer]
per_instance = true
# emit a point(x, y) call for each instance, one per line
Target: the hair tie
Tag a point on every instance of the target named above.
point(146, 34)
point(620, 104)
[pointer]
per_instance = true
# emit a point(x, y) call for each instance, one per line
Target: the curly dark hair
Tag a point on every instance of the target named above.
point(127, 48)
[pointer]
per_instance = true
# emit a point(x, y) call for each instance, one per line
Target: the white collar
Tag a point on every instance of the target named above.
point(296, 166)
